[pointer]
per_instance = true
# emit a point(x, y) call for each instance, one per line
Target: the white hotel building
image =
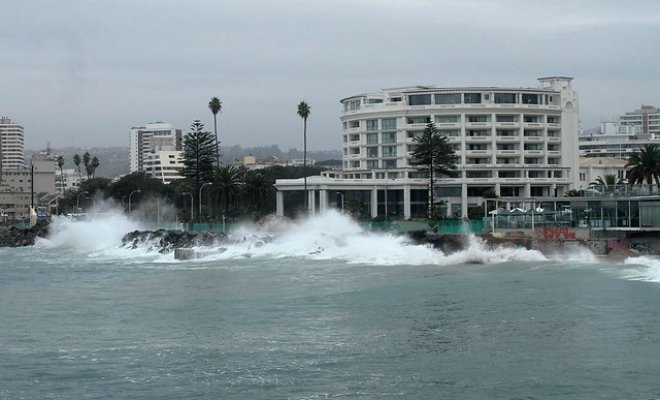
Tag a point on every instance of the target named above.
point(519, 142)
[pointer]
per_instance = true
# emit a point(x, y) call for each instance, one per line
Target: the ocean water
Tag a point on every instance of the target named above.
point(322, 310)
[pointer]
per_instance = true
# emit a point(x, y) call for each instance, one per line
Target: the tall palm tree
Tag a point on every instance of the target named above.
point(645, 165)
point(433, 153)
point(215, 105)
point(77, 160)
point(60, 164)
point(86, 159)
point(94, 165)
point(303, 112)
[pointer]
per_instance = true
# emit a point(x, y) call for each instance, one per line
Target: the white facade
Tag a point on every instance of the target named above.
point(165, 166)
point(517, 142)
point(624, 137)
point(67, 179)
point(150, 139)
point(11, 144)
point(592, 168)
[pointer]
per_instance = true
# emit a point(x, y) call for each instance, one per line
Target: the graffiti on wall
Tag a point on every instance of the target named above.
point(558, 233)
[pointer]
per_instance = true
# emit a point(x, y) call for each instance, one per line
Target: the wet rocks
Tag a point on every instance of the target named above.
point(19, 237)
point(165, 241)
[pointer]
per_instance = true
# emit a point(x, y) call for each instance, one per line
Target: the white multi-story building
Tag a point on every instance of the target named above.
point(11, 145)
point(151, 139)
point(163, 165)
point(624, 137)
point(519, 142)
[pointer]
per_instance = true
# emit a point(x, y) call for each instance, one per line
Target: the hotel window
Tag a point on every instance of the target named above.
point(553, 119)
point(372, 124)
point(372, 138)
point(472, 98)
point(530, 98)
point(354, 124)
point(419, 99)
point(419, 120)
point(450, 133)
point(505, 98)
point(447, 119)
point(372, 164)
point(389, 137)
point(505, 132)
point(354, 105)
point(374, 101)
point(372, 152)
point(478, 118)
point(389, 164)
point(415, 134)
point(448, 98)
point(534, 119)
point(395, 99)
point(388, 123)
point(506, 118)
point(583, 177)
point(389, 151)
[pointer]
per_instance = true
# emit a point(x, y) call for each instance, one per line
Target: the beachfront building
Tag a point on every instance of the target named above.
point(623, 137)
point(517, 142)
point(146, 141)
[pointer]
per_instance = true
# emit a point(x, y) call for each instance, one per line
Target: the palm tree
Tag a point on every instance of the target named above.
point(303, 112)
point(86, 159)
point(215, 105)
point(60, 164)
point(228, 182)
point(258, 192)
point(94, 165)
point(433, 152)
point(645, 165)
point(607, 182)
point(77, 160)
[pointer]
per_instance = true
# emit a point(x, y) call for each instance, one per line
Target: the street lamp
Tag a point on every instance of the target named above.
point(192, 205)
point(200, 199)
point(130, 213)
point(78, 199)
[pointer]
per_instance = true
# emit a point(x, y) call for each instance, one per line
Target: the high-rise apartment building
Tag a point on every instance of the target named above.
point(11, 144)
point(149, 140)
point(626, 136)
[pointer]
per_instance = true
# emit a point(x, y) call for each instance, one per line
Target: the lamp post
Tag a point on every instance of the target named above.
point(192, 205)
point(130, 212)
point(78, 199)
point(200, 199)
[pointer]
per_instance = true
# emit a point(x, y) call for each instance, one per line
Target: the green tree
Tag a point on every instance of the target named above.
point(259, 193)
point(199, 151)
point(77, 160)
point(303, 112)
point(215, 105)
point(60, 164)
point(227, 183)
point(606, 182)
point(93, 166)
point(86, 162)
point(433, 153)
point(644, 166)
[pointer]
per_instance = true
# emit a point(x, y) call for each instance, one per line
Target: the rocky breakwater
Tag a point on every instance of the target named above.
point(19, 237)
point(166, 241)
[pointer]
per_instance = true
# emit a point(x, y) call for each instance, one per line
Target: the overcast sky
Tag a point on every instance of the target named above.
point(82, 72)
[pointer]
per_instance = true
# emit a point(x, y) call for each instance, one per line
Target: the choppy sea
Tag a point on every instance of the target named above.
point(322, 310)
